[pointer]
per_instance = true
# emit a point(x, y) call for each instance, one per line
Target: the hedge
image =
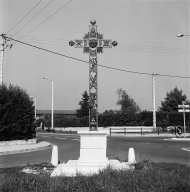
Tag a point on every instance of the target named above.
point(145, 118)
point(16, 114)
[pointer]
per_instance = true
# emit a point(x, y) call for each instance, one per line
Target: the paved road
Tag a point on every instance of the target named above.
point(155, 149)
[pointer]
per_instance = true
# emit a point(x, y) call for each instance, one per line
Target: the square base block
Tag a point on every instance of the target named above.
point(93, 145)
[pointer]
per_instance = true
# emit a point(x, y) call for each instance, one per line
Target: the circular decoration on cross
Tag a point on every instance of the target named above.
point(93, 43)
point(71, 43)
point(93, 22)
point(114, 43)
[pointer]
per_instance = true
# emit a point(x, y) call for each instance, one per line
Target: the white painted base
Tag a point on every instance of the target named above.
point(93, 146)
point(92, 159)
point(71, 169)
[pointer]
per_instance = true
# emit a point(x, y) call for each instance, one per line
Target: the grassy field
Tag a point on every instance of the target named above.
point(147, 176)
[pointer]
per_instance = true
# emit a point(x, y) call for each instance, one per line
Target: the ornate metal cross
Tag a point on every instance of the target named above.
point(93, 43)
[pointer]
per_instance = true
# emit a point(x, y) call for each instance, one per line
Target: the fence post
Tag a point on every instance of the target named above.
point(158, 130)
point(110, 131)
point(175, 130)
point(141, 130)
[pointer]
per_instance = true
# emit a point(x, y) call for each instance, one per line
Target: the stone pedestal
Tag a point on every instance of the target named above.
point(93, 145)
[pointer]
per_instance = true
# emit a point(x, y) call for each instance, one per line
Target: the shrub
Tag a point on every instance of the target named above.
point(16, 114)
point(144, 118)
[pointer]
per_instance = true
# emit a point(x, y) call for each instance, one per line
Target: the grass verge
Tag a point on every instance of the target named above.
point(147, 176)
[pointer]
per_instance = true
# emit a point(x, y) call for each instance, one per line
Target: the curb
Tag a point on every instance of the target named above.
point(26, 150)
point(181, 139)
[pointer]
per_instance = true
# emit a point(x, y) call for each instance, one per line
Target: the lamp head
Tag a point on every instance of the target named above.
point(180, 35)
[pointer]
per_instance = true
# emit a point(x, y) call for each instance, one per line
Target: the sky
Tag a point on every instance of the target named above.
point(146, 32)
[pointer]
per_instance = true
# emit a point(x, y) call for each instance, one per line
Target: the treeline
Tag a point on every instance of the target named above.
point(145, 118)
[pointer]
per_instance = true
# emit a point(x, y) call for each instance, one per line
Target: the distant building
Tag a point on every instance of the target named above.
point(60, 113)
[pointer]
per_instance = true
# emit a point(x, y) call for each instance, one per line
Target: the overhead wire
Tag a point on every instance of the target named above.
point(42, 38)
point(24, 16)
point(46, 19)
point(123, 46)
point(33, 17)
point(153, 50)
point(117, 69)
point(167, 48)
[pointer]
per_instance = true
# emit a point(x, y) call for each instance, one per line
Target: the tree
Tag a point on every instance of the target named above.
point(84, 105)
point(172, 100)
point(108, 112)
point(127, 104)
point(16, 114)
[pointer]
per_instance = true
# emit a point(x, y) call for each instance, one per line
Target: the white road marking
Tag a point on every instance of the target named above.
point(45, 136)
point(186, 149)
point(60, 138)
point(76, 139)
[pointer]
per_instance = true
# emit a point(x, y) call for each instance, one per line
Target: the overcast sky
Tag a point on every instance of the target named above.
point(146, 34)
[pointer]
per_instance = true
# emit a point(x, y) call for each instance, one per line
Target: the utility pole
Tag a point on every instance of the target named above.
point(153, 100)
point(51, 102)
point(4, 46)
point(52, 107)
point(2, 54)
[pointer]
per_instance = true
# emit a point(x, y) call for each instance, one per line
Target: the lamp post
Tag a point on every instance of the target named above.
point(52, 101)
point(181, 35)
point(153, 100)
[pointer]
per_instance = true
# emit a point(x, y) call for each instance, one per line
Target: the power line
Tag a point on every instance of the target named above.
point(122, 46)
point(117, 69)
point(33, 17)
point(24, 16)
point(46, 19)
point(42, 38)
point(154, 47)
point(152, 50)
point(49, 43)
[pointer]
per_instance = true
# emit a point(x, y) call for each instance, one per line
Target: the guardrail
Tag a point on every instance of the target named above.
point(141, 130)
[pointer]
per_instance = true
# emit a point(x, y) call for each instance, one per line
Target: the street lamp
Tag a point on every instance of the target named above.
point(181, 35)
point(52, 102)
point(183, 102)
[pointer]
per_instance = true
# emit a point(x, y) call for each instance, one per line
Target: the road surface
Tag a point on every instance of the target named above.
point(157, 149)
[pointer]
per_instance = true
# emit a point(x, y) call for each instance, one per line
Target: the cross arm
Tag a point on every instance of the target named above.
point(104, 43)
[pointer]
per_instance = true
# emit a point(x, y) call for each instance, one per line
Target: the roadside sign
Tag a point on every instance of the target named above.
point(184, 110)
point(179, 130)
point(183, 106)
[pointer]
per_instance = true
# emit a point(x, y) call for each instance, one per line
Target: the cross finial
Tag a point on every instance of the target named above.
point(93, 22)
